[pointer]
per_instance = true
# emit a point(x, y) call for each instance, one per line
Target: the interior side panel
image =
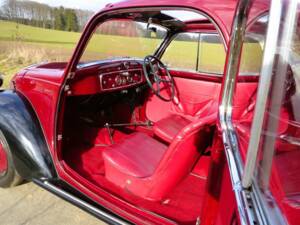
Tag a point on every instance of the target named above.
point(195, 97)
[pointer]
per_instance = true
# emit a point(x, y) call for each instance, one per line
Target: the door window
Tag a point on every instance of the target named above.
point(278, 165)
point(253, 47)
point(273, 110)
point(199, 52)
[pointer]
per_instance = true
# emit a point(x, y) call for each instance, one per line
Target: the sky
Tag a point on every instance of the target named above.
point(94, 5)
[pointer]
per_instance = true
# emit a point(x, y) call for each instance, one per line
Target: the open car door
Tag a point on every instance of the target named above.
point(262, 144)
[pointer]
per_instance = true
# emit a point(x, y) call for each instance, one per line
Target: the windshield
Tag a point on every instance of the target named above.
point(123, 38)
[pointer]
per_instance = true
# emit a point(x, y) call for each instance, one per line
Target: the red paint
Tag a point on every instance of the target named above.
point(214, 187)
point(43, 96)
point(3, 159)
point(186, 186)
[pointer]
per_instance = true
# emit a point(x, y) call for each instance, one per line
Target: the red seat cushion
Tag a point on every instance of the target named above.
point(137, 156)
point(169, 127)
point(147, 168)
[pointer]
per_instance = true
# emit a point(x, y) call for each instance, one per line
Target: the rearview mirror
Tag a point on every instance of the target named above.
point(152, 30)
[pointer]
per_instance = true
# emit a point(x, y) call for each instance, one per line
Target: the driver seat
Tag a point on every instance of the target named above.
point(168, 127)
point(149, 169)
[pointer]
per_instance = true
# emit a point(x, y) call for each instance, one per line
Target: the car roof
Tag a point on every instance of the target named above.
point(221, 12)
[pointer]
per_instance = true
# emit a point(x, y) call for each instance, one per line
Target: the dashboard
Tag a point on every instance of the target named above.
point(108, 76)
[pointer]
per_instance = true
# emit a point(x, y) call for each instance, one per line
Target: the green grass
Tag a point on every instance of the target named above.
point(11, 31)
point(22, 45)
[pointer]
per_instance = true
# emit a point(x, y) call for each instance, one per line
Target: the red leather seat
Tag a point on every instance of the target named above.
point(137, 156)
point(149, 169)
point(169, 127)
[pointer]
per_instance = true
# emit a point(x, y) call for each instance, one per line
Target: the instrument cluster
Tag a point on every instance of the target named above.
point(108, 76)
point(120, 79)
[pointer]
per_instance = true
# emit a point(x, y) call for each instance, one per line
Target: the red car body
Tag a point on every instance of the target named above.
point(43, 87)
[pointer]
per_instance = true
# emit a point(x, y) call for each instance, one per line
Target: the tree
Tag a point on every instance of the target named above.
point(9, 9)
point(83, 16)
point(71, 20)
point(42, 15)
point(59, 18)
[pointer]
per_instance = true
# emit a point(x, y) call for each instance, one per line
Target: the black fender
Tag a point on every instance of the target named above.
point(20, 126)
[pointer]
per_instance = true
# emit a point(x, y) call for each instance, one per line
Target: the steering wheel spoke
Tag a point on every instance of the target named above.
point(153, 68)
point(165, 80)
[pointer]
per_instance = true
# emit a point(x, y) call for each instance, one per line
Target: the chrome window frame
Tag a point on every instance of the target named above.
point(225, 110)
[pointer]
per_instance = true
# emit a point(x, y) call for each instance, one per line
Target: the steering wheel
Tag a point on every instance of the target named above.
point(158, 76)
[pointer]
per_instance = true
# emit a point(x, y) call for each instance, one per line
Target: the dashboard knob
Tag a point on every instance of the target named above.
point(118, 80)
point(129, 79)
point(124, 81)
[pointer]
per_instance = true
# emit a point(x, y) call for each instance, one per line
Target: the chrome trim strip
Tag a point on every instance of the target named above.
point(225, 110)
point(268, 212)
point(103, 63)
point(263, 91)
point(83, 205)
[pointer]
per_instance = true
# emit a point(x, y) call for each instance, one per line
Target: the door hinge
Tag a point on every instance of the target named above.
point(59, 137)
point(198, 222)
point(71, 75)
point(67, 89)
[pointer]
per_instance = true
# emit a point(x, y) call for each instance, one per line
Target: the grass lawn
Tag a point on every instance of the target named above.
point(16, 55)
point(10, 31)
point(22, 45)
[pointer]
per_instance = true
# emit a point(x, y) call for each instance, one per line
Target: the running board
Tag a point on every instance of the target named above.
point(104, 214)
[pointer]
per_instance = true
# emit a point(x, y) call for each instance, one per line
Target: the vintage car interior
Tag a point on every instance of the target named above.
point(168, 112)
point(142, 127)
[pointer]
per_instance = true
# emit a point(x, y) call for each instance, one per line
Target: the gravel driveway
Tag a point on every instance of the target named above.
point(29, 204)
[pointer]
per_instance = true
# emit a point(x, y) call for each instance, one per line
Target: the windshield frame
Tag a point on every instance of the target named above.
point(104, 15)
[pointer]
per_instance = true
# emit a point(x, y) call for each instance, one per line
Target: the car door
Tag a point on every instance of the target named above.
point(262, 143)
point(272, 163)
